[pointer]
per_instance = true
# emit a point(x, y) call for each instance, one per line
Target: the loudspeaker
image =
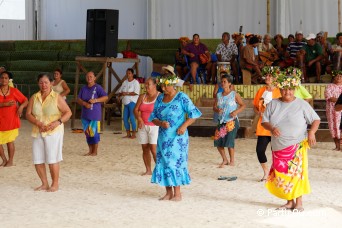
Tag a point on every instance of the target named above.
point(102, 32)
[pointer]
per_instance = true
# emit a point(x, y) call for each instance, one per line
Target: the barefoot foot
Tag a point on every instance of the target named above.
point(166, 197)
point(177, 198)
point(3, 163)
point(9, 164)
point(286, 207)
point(127, 136)
point(52, 189)
point(223, 164)
point(87, 154)
point(146, 173)
point(42, 188)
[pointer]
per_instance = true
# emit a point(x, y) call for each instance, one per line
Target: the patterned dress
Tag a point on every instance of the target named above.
point(334, 118)
point(227, 127)
point(172, 150)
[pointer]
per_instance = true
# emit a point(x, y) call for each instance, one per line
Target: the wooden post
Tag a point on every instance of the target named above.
point(268, 16)
point(339, 15)
point(106, 64)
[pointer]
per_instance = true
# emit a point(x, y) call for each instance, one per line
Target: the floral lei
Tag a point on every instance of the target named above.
point(336, 72)
point(167, 80)
point(289, 79)
point(273, 70)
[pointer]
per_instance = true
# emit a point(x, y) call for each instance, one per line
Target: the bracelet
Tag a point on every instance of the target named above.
point(60, 121)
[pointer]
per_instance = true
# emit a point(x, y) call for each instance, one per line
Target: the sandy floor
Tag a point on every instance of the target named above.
point(107, 190)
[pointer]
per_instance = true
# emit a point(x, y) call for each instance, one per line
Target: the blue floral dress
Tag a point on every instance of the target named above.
point(172, 149)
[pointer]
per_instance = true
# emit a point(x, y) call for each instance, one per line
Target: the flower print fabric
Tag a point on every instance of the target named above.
point(172, 149)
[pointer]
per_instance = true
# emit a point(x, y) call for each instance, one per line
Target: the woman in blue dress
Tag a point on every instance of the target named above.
point(173, 112)
point(227, 104)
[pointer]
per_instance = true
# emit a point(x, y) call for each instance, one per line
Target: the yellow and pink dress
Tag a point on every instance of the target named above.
point(288, 176)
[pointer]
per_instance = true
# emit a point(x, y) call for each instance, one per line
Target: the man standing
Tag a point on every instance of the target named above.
point(311, 53)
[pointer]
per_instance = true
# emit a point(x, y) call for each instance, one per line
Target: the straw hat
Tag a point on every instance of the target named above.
point(169, 69)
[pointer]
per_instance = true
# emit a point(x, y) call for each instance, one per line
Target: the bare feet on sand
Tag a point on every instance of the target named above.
point(42, 188)
point(3, 163)
point(166, 197)
point(90, 154)
point(52, 189)
point(133, 137)
point(177, 198)
point(126, 137)
point(231, 163)
point(223, 164)
point(288, 206)
point(9, 164)
point(146, 173)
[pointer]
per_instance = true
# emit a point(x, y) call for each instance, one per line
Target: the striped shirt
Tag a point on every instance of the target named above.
point(294, 47)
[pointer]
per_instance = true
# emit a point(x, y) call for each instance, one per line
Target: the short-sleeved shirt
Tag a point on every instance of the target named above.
point(294, 47)
point(263, 47)
point(9, 119)
point(246, 53)
point(196, 50)
point(312, 52)
point(87, 93)
point(226, 51)
point(128, 87)
point(291, 119)
point(46, 111)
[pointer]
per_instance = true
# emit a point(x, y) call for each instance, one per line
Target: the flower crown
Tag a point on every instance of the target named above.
point(288, 79)
point(293, 71)
point(273, 70)
point(168, 80)
point(334, 73)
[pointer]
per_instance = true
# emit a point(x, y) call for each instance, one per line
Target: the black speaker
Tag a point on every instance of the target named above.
point(102, 32)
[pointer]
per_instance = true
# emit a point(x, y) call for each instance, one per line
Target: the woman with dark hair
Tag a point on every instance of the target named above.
point(59, 85)
point(10, 114)
point(228, 104)
point(90, 98)
point(331, 93)
point(287, 119)
point(248, 60)
point(173, 112)
point(147, 130)
point(129, 93)
point(47, 111)
point(261, 99)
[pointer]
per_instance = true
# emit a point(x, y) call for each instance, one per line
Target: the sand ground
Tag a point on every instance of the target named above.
point(107, 190)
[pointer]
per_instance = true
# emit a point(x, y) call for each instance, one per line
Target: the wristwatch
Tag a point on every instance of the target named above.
point(60, 121)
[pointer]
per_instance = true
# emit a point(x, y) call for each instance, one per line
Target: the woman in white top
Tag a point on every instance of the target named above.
point(59, 85)
point(129, 93)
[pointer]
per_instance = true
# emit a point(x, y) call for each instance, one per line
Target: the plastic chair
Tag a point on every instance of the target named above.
point(201, 73)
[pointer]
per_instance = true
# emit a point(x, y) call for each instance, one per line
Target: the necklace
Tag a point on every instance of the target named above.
point(4, 94)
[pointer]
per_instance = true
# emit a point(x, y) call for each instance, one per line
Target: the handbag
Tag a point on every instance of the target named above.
point(203, 58)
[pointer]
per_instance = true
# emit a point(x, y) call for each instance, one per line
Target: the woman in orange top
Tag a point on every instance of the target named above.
point(262, 98)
